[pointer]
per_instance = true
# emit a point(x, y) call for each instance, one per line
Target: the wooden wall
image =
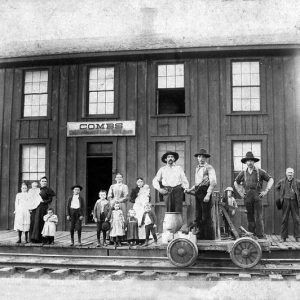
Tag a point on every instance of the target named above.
point(208, 123)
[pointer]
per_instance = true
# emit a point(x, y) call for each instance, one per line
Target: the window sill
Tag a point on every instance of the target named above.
point(102, 117)
point(170, 115)
point(247, 113)
point(33, 118)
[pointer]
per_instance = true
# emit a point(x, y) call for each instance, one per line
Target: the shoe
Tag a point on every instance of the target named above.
point(283, 240)
point(115, 245)
point(119, 244)
point(18, 241)
point(72, 243)
point(98, 245)
point(145, 244)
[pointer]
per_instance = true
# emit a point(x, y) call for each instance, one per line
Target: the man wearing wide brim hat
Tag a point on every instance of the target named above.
point(170, 181)
point(75, 212)
point(205, 181)
point(249, 185)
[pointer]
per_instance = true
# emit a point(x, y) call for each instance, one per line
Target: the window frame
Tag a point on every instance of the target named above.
point(49, 94)
point(262, 89)
point(85, 92)
point(34, 142)
point(154, 110)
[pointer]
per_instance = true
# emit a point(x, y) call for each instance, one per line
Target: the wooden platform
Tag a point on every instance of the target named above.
point(8, 238)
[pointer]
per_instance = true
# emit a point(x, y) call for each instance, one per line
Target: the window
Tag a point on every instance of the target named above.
point(33, 162)
point(239, 151)
point(246, 86)
point(101, 91)
point(179, 147)
point(170, 89)
point(35, 93)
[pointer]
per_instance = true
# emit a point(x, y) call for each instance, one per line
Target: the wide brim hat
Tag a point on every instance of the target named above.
point(164, 157)
point(76, 186)
point(202, 152)
point(249, 156)
point(105, 226)
point(229, 189)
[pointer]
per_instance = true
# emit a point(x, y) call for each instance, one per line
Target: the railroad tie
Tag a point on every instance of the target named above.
point(59, 274)
point(147, 275)
point(7, 272)
point(212, 277)
point(88, 274)
point(244, 277)
point(34, 273)
point(182, 276)
point(275, 277)
point(118, 275)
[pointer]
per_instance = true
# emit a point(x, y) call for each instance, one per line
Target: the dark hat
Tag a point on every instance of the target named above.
point(202, 152)
point(249, 156)
point(278, 203)
point(164, 157)
point(105, 226)
point(76, 186)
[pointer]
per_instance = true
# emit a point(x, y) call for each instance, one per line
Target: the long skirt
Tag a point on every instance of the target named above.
point(37, 223)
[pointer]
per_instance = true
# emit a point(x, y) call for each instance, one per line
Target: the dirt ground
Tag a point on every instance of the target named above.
point(70, 289)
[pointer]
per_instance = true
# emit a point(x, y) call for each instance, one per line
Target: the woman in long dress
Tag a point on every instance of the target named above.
point(118, 192)
point(142, 192)
point(22, 214)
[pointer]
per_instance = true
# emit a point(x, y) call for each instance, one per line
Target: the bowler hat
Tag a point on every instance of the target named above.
point(202, 152)
point(105, 226)
point(164, 157)
point(76, 186)
point(278, 203)
point(249, 156)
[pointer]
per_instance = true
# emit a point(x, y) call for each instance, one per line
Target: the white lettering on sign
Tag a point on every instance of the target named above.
point(107, 128)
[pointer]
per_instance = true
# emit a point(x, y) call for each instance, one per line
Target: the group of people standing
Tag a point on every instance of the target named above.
point(32, 213)
point(110, 211)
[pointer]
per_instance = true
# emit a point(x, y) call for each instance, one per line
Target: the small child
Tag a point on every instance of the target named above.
point(100, 213)
point(132, 228)
point(149, 219)
point(117, 224)
point(49, 228)
point(34, 195)
point(230, 206)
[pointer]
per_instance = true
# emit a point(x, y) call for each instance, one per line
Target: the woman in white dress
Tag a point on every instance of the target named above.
point(22, 214)
point(118, 192)
point(142, 193)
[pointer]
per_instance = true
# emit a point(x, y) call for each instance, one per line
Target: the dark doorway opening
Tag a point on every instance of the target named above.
point(99, 177)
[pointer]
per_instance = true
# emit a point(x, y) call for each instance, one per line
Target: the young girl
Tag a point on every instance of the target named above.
point(117, 224)
point(22, 214)
point(49, 228)
point(230, 206)
point(132, 228)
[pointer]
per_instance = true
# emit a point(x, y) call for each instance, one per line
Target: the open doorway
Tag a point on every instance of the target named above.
point(98, 173)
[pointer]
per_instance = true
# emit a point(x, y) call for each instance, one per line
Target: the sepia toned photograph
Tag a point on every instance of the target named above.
point(149, 149)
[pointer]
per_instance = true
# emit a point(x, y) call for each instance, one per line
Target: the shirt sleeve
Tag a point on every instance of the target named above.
point(157, 179)
point(185, 182)
point(212, 180)
point(264, 175)
point(239, 178)
point(109, 194)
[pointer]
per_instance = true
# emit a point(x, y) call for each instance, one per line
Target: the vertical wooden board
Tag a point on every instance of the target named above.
point(5, 214)
point(73, 97)
point(14, 154)
point(248, 125)
point(34, 129)
point(43, 129)
point(214, 115)
point(82, 90)
point(162, 126)
point(297, 98)
point(24, 129)
point(131, 152)
point(236, 124)
point(142, 121)
point(182, 126)
point(53, 130)
point(2, 95)
point(151, 98)
point(290, 111)
point(271, 218)
point(203, 104)
point(62, 134)
point(172, 128)
point(225, 172)
point(254, 120)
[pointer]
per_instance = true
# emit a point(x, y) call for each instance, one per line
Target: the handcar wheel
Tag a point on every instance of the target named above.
point(245, 252)
point(182, 252)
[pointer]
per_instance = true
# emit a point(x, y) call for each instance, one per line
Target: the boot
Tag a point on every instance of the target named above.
point(26, 237)
point(79, 239)
point(72, 238)
point(98, 243)
point(19, 235)
point(146, 243)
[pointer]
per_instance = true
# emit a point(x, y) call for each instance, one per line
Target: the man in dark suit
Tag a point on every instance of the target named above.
point(75, 213)
point(288, 190)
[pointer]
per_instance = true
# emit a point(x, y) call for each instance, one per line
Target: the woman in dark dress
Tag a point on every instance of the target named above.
point(36, 219)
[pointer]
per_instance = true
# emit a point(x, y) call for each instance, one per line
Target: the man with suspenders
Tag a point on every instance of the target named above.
point(249, 184)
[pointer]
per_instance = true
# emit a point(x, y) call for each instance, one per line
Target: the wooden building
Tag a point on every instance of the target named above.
point(228, 99)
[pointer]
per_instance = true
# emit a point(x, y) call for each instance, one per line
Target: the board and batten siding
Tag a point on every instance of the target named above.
point(208, 123)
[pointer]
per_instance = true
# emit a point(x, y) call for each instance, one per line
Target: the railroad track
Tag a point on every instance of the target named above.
point(11, 263)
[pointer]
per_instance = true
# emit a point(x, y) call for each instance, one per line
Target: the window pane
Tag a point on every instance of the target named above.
point(43, 87)
point(109, 84)
point(236, 80)
point(237, 105)
point(93, 108)
point(245, 79)
point(93, 73)
point(246, 67)
point(255, 67)
point(28, 76)
point(93, 97)
point(255, 104)
point(162, 70)
point(179, 81)
point(101, 97)
point(162, 82)
point(44, 76)
point(109, 108)
point(236, 68)
point(180, 70)
point(109, 97)
point(101, 108)
point(28, 88)
point(170, 70)
point(93, 85)
point(254, 79)
point(170, 82)
point(43, 111)
point(110, 73)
